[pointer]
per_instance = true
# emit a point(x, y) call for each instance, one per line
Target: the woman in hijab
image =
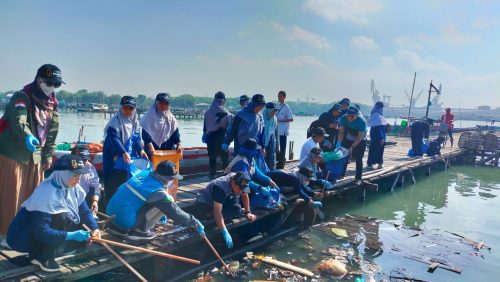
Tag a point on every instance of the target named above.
point(53, 215)
point(378, 127)
point(122, 142)
point(28, 131)
point(159, 127)
point(214, 130)
point(270, 134)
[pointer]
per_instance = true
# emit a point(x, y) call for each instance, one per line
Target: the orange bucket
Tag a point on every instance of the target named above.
point(168, 155)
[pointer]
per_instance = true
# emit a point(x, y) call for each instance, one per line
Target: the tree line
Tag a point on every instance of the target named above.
point(184, 101)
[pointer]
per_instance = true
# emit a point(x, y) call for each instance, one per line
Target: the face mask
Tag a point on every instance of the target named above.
point(47, 90)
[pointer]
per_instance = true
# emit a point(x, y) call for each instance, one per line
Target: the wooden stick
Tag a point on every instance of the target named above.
point(217, 255)
point(117, 256)
point(147, 251)
point(322, 195)
point(285, 265)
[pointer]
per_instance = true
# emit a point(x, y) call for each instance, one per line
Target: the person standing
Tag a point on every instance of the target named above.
point(378, 128)
point(448, 118)
point(330, 122)
point(284, 116)
point(344, 105)
point(160, 130)
point(248, 123)
point(216, 120)
point(352, 136)
point(270, 134)
point(122, 142)
point(28, 131)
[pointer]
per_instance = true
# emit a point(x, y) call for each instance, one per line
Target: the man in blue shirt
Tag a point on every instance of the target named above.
point(352, 134)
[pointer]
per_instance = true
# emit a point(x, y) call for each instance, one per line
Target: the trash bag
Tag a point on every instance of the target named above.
point(434, 149)
point(258, 200)
point(261, 163)
point(136, 165)
point(338, 154)
point(425, 148)
point(336, 168)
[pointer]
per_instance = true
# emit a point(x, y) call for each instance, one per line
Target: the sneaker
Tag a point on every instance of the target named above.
point(357, 182)
point(370, 167)
point(136, 235)
point(114, 230)
point(5, 244)
point(49, 265)
point(380, 166)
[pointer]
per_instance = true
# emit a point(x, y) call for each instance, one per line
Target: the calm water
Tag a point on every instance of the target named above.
point(464, 200)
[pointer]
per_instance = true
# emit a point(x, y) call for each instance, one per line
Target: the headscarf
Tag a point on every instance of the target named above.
point(270, 125)
point(377, 116)
point(127, 126)
point(159, 125)
point(211, 117)
point(53, 196)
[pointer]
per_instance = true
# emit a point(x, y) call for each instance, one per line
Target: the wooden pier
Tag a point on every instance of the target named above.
point(177, 240)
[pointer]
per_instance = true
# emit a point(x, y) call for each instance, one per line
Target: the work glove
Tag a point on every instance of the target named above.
point(328, 184)
point(31, 142)
point(204, 138)
point(80, 236)
point(266, 192)
point(200, 228)
point(225, 147)
point(316, 204)
point(163, 220)
point(337, 145)
point(227, 238)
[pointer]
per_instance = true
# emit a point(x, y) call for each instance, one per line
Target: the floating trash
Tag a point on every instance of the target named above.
point(332, 267)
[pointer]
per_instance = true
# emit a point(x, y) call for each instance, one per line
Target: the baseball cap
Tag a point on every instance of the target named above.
point(337, 107)
point(163, 97)
point(316, 151)
point(345, 101)
point(168, 169)
point(244, 98)
point(128, 101)
point(271, 105)
point(220, 95)
point(50, 73)
point(82, 151)
point(72, 163)
point(319, 131)
point(306, 171)
point(447, 109)
point(242, 180)
point(259, 99)
point(352, 110)
point(251, 144)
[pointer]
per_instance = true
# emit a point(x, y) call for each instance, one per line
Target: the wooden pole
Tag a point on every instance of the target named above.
point(411, 97)
point(322, 195)
point(147, 251)
point(217, 255)
point(117, 256)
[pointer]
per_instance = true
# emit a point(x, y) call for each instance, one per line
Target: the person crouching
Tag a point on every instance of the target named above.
point(143, 200)
point(53, 215)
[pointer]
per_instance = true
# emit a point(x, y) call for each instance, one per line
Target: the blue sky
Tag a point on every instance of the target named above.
point(320, 49)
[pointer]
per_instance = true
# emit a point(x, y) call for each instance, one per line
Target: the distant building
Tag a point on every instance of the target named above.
point(484, 108)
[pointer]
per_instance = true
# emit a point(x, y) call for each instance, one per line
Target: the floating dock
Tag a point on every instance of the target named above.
point(185, 242)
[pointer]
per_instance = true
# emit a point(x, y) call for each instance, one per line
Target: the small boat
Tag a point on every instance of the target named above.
point(92, 107)
point(194, 159)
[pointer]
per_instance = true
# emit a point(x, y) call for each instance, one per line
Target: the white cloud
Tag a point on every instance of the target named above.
point(411, 61)
point(484, 22)
point(449, 35)
point(299, 61)
point(363, 43)
point(344, 10)
point(455, 37)
point(299, 34)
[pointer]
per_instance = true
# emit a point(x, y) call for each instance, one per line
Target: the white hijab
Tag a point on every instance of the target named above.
point(160, 126)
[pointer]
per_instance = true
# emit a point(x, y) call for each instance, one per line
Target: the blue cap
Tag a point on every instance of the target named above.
point(337, 107)
point(220, 95)
point(352, 110)
point(259, 99)
point(72, 163)
point(163, 97)
point(128, 101)
point(345, 101)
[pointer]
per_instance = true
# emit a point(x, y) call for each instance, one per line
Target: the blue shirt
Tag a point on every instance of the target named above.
point(353, 128)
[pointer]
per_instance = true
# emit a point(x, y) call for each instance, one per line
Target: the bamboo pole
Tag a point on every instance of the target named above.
point(322, 195)
point(217, 255)
point(147, 251)
point(117, 256)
